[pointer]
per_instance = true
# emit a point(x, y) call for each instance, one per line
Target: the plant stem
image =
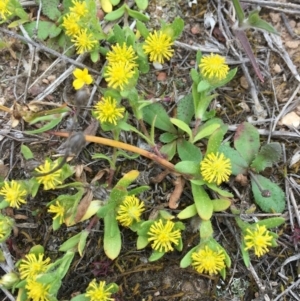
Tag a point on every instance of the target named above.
point(239, 12)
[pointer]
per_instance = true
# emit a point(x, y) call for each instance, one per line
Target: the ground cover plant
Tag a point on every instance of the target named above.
point(167, 186)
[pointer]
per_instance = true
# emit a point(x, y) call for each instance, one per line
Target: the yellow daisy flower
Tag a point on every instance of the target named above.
point(122, 54)
point(4, 11)
point(49, 181)
point(79, 8)
point(259, 239)
point(13, 193)
point(208, 261)
point(213, 67)
point(82, 77)
point(118, 74)
point(130, 210)
point(98, 292)
point(70, 23)
point(37, 291)
point(106, 110)
point(163, 235)
point(83, 41)
point(32, 265)
point(158, 46)
point(59, 211)
point(215, 168)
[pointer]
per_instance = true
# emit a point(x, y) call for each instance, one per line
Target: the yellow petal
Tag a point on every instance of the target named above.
point(106, 5)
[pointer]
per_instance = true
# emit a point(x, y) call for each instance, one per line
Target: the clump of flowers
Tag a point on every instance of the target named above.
point(163, 235)
point(4, 9)
point(82, 77)
point(215, 168)
point(213, 67)
point(158, 46)
point(37, 291)
point(259, 239)
point(13, 193)
point(70, 23)
point(106, 110)
point(51, 180)
point(208, 261)
point(58, 210)
point(84, 41)
point(100, 292)
point(130, 211)
point(32, 265)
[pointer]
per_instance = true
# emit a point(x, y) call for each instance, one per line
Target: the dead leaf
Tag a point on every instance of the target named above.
point(291, 120)
point(175, 196)
point(83, 205)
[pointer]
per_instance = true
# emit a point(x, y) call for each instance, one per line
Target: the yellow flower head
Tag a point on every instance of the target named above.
point(98, 292)
point(259, 239)
point(53, 179)
point(215, 168)
point(158, 46)
point(213, 67)
point(130, 210)
point(83, 41)
point(106, 110)
point(70, 23)
point(32, 265)
point(82, 77)
point(13, 193)
point(208, 261)
point(4, 11)
point(122, 54)
point(59, 211)
point(37, 291)
point(79, 8)
point(163, 235)
point(118, 74)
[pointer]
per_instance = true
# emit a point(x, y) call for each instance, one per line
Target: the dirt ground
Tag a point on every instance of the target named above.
point(273, 106)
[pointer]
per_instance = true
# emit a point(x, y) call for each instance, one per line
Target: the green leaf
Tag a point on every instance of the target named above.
point(267, 156)
point(188, 167)
point(82, 241)
point(70, 243)
point(81, 297)
point(116, 14)
point(206, 230)
point(119, 34)
point(141, 27)
point(202, 201)
point(169, 149)
point(49, 8)
point(182, 125)
point(94, 56)
point(206, 131)
point(185, 109)
point(112, 236)
point(138, 16)
point(141, 4)
point(203, 86)
point(216, 139)
point(274, 203)
point(255, 21)
point(245, 254)
point(167, 137)
point(220, 191)
point(246, 141)
point(177, 26)
point(229, 77)
point(187, 259)
point(195, 77)
point(26, 152)
point(187, 212)
point(187, 150)
point(272, 222)
point(156, 255)
point(238, 163)
point(48, 126)
point(162, 120)
point(221, 204)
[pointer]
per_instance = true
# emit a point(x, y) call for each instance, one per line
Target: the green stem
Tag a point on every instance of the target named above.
point(239, 12)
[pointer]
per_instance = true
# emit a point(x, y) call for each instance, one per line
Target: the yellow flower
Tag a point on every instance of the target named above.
point(59, 210)
point(4, 11)
point(83, 41)
point(70, 23)
point(82, 77)
point(106, 110)
point(158, 46)
point(118, 74)
point(259, 239)
point(33, 265)
point(163, 235)
point(122, 54)
point(98, 292)
point(37, 291)
point(130, 210)
point(214, 67)
point(79, 8)
point(53, 179)
point(208, 261)
point(13, 193)
point(215, 168)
